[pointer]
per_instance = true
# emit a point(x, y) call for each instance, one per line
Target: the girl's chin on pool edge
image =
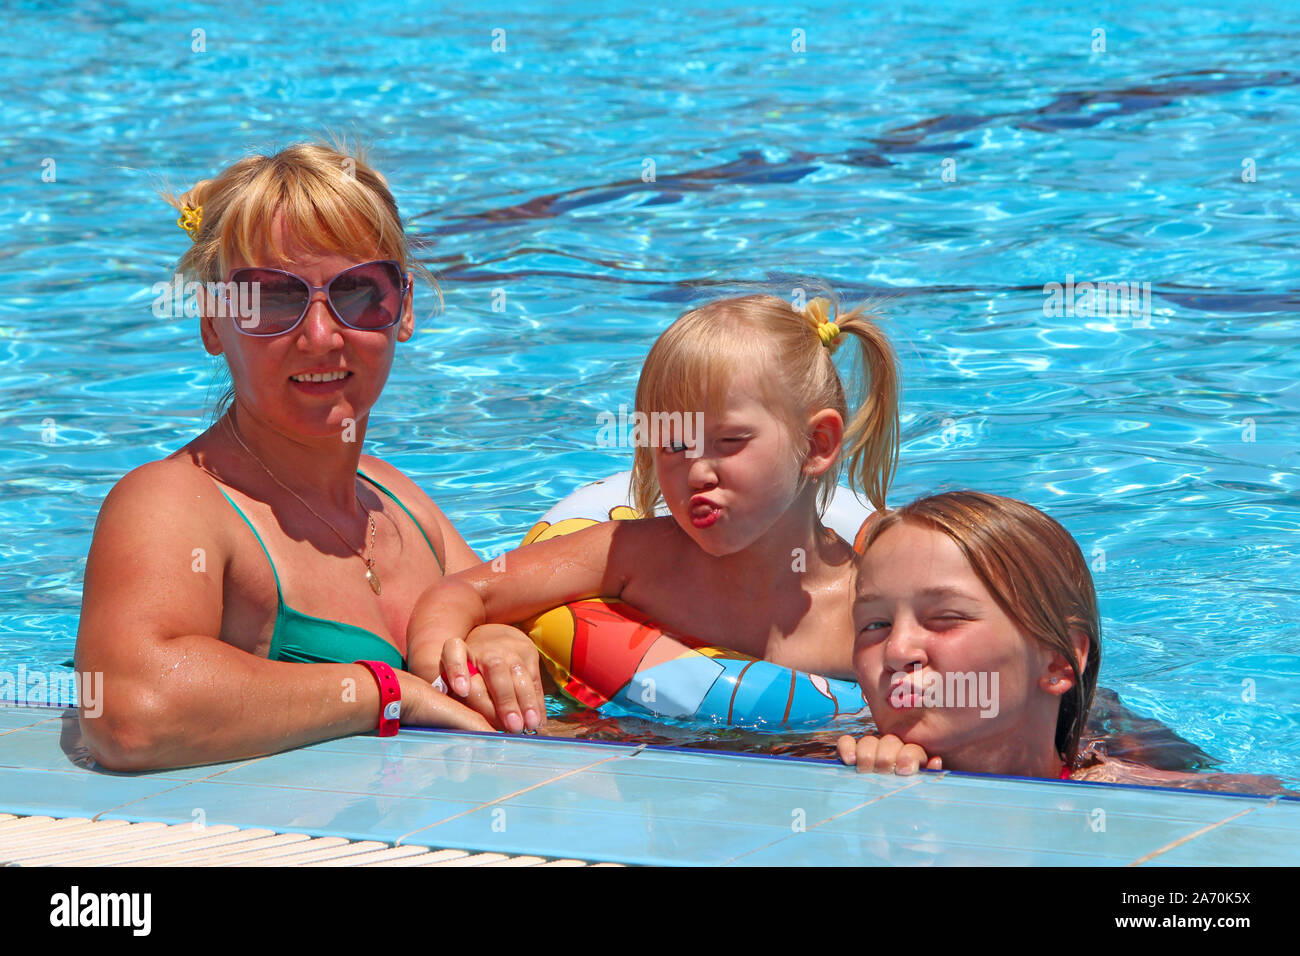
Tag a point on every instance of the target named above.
point(942, 665)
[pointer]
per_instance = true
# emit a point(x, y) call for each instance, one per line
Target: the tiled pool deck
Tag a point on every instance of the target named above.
point(599, 802)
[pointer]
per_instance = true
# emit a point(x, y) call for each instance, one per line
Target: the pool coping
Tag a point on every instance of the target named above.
point(609, 801)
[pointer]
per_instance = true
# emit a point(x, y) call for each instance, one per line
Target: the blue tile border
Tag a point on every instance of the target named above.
point(825, 762)
point(606, 800)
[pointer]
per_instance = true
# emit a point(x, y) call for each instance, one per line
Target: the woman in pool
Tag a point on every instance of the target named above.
point(744, 560)
point(978, 646)
point(231, 586)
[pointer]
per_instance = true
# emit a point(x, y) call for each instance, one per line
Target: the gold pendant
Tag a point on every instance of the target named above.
point(373, 577)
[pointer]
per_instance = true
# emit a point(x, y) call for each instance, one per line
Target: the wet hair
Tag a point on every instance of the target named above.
point(331, 200)
point(693, 363)
point(1035, 572)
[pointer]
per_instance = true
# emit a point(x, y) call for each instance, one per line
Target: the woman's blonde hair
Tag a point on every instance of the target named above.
point(1035, 572)
point(331, 201)
point(693, 363)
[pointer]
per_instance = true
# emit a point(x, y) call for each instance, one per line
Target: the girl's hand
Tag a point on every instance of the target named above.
point(887, 754)
point(508, 687)
point(423, 706)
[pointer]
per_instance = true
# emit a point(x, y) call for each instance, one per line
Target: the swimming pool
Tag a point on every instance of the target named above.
point(926, 153)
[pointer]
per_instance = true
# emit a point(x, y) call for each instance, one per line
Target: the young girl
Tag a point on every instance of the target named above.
point(978, 646)
point(743, 560)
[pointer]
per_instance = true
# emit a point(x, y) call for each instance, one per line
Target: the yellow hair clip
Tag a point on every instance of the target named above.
point(827, 332)
point(190, 220)
point(819, 309)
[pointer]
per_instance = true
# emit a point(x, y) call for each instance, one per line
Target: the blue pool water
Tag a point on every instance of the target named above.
point(1169, 447)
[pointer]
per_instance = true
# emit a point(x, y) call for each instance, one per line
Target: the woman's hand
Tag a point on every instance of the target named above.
point(508, 686)
point(424, 706)
point(887, 754)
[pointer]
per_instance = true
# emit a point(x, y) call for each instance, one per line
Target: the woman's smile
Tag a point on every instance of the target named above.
point(321, 383)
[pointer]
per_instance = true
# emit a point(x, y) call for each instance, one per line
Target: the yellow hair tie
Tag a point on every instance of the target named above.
point(190, 220)
point(819, 310)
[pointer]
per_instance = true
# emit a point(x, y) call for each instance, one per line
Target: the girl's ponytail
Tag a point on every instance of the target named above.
point(871, 432)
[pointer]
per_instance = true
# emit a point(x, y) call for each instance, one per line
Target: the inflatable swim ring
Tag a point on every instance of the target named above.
point(609, 656)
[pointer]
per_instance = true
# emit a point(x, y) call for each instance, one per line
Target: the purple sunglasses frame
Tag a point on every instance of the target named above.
point(329, 302)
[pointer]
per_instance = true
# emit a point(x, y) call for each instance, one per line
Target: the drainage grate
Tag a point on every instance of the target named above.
point(77, 841)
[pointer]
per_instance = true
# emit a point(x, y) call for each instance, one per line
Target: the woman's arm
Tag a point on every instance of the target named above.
point(174, 693)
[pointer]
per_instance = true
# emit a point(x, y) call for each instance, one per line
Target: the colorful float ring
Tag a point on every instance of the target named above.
point(609, 656)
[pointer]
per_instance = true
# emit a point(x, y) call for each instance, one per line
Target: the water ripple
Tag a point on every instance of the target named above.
point(1168, 446)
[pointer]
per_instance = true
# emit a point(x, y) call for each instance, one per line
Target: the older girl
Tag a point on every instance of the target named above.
point(963, 593)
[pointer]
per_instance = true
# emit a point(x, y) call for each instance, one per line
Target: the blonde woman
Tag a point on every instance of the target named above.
point(252, 591)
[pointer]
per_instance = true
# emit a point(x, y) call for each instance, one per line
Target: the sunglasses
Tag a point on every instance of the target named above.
point(367, 297)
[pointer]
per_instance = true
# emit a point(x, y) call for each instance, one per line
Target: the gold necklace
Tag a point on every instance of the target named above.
point(372, 576)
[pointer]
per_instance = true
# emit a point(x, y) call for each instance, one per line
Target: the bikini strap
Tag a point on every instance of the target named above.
point(262, 544)
point(408, 512)
point(241, 514)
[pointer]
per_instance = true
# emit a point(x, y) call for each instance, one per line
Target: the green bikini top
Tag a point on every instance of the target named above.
point(306, 639)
